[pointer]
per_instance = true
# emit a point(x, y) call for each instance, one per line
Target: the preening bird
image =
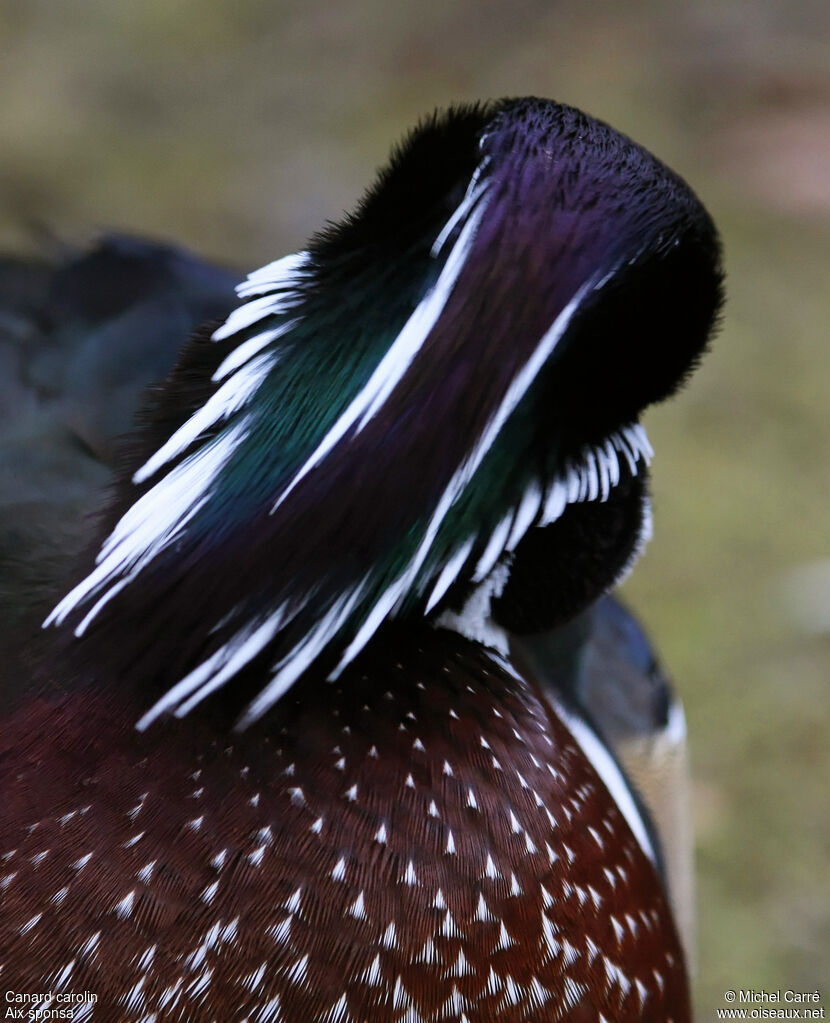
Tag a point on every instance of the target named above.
point(278, 762)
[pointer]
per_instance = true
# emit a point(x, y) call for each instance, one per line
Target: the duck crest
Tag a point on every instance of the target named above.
point(377, 428)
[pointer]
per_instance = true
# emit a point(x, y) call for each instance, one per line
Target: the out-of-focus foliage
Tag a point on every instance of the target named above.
point(238, 127)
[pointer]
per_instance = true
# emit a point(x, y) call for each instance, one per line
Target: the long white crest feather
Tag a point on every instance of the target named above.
point(303, 655)
point(398, 358)
point(222, 665)
point(231, 396)
point(154, 521)
point(278, 281)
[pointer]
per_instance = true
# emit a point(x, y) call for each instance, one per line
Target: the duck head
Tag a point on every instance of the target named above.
point(432, 411)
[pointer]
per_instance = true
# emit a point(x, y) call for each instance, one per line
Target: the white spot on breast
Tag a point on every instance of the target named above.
point(400, 997)
point(270, 1012)
point(253, 981)
point(90, 946)
point(145, 960)
point(512, 993)
point(427, 953)
point(432, 809)
point(146, 872)
point(358, 908)
point(339, 871)
point(447, 768)
point(461, 968)
point(338, 1013)
point(549, 939)
point(573, 992)
point(450, 850)
point(293, 903)
point(125, 906)
point(471, 800)
point(255, 858)
point(494, 983)
point(490, 868)
point(448, 927)
point(482, 912)
point(569, 952)
point(614, 975)
point(538, 994)
point(282, 931)
point(372, 975)
point(297, 796)
point(30, 923)
point(390, 938)
point(210, 892)
point(298, 971)
point(410, 876)
point(135, 997)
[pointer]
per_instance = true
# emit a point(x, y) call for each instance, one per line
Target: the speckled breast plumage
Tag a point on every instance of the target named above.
point(419, 842)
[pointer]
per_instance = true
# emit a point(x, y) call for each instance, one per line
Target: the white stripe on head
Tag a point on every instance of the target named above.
point(398, 358)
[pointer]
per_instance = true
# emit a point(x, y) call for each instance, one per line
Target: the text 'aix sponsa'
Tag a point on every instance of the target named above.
point(279, 763)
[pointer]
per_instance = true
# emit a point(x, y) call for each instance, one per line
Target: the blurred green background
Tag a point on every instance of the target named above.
point(239, 127)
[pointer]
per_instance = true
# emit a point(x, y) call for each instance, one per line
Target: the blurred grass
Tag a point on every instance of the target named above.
point(239, 127)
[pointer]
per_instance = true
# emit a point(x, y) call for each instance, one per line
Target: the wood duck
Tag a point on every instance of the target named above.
point(277, 762)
